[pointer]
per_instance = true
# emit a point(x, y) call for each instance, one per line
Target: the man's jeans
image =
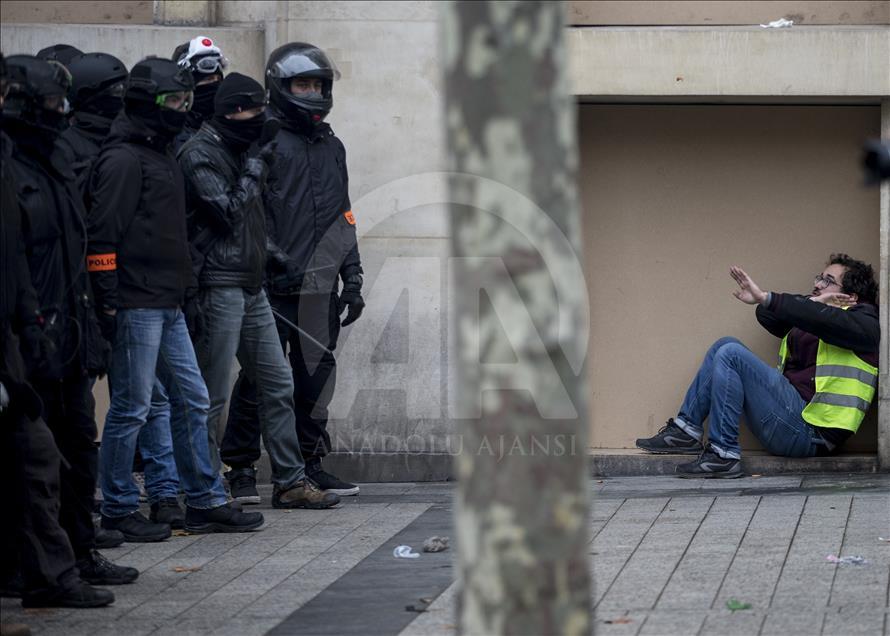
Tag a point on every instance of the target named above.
point(240, 324)
point(156, 448)
point(150, 343)
point(733, 380)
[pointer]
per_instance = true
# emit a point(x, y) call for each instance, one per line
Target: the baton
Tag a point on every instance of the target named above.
point(288, 323)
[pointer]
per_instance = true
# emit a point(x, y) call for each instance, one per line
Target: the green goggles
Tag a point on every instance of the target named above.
point(178, 100)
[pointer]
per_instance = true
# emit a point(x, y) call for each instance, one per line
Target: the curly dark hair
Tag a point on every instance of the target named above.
point(859, 278)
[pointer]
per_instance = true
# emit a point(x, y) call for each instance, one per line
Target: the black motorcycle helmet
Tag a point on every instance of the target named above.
point(97, 83)
point(159, 93)
point(299, 59)
point(37, 91)
point(62, 53)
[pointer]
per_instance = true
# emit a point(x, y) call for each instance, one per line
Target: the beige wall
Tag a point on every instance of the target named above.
point(78, 12)
point(673, 195)
point(659, 12)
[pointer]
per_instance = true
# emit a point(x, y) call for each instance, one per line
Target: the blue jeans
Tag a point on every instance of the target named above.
point(156, 448)
point(731, 381)
point(153, 343)
point(240, 325)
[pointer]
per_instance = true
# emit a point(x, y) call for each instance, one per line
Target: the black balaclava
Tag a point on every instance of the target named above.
point(204, 96)
point(161, 121)
point(95, 115)
point(236, 93)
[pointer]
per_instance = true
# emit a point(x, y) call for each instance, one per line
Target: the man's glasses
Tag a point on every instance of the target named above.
point(178, 100)
point(824, 280)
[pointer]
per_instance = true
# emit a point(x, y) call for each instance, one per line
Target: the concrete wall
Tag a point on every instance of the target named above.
point(726, 63)
point(78, 12)
point(696, 12)
point(243, 46)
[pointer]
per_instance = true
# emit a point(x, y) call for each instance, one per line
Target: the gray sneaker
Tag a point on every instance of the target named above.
point(671, 439)
point(710, 465)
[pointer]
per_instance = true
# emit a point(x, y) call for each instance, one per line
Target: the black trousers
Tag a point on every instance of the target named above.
point(33, 542)
point(315, 374)
point(69, 411)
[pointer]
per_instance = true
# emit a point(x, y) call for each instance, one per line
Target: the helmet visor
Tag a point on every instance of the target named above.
point(177, 100)
point(115, 90)
point(311, 63)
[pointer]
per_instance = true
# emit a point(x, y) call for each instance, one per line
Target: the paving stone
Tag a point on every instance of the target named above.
point(788, 622)
point(642, 579)
point(855, 622)
point(673, 623)
point(739, 623)
point(439, 617)
point(697, 578)
point(806, 576)
point(754, 571)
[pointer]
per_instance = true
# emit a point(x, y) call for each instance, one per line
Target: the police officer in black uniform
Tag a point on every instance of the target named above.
point(310, 221)
point(55, 240)
point(96, 96)
point(140, 267)
point(207, 64)
point(38, 562)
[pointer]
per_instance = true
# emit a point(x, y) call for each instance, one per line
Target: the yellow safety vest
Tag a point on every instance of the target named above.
point(845, 387)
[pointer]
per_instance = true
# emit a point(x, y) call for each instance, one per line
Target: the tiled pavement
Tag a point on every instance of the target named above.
point(667, 556)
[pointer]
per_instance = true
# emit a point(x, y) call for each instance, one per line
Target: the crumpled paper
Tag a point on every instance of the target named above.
point(405, 552)
point(781, 23)
point(847, 560)
point(436, 544)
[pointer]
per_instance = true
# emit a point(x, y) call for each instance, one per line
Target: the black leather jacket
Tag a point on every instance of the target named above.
point(227, 228)
point(308, 212)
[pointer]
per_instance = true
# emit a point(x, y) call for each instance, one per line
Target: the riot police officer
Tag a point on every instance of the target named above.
point(311, 224)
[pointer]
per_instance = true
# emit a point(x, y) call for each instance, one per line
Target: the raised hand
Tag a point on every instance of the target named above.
point(748, 291)
point(835, 299)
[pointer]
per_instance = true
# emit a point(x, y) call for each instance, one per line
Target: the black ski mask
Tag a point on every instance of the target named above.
point(238, 93)
point(239, 133)
point(162, 121)
point(204, 96)
point(104, 105)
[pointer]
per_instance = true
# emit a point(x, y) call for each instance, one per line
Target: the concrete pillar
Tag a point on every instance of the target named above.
point(522, 501)
point(884, 303)
point(185, 12)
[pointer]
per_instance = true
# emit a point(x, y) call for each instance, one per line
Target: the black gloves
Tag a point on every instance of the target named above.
point(267, 153)
point(38, 349)
point(351, 298)
point(266, 146)
point(194, 318)
point(107, 325)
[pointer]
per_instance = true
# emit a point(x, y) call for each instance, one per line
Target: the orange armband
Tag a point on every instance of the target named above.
point(102, 262)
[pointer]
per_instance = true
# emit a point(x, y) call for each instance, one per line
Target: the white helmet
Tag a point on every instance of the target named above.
point(201, 55)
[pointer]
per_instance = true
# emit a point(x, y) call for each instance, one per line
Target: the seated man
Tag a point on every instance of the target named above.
point(811, 403)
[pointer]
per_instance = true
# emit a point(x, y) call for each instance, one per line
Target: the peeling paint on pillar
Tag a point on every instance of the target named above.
point(521, 516)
